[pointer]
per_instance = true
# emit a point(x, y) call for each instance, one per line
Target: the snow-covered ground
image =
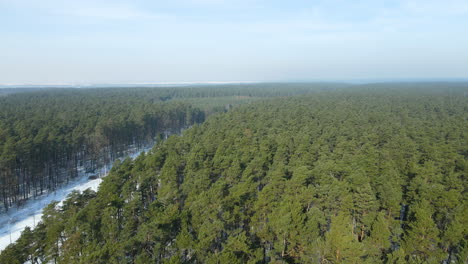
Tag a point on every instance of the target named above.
point(13, 222)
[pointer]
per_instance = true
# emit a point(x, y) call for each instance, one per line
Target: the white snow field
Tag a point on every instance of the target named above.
point(13, 222)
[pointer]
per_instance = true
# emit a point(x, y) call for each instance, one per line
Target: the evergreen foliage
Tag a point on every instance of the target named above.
point(335, 177)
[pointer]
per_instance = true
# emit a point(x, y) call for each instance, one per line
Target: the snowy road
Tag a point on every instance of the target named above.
point(16, 220)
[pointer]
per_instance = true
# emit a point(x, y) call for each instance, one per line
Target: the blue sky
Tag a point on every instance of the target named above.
point(103, 41)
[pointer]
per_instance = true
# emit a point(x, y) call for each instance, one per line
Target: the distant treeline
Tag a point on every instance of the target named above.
point(7, 91)
point(334, 177)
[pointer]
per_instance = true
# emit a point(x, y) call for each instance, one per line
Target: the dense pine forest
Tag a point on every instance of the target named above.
point(48, 135)
point(341, 175)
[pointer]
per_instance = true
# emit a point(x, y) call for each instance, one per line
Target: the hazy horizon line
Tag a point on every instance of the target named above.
point(183, 83)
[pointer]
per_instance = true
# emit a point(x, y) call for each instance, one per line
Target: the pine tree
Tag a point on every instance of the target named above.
point(422, 236)
point(378, 243)
point(341, 245)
